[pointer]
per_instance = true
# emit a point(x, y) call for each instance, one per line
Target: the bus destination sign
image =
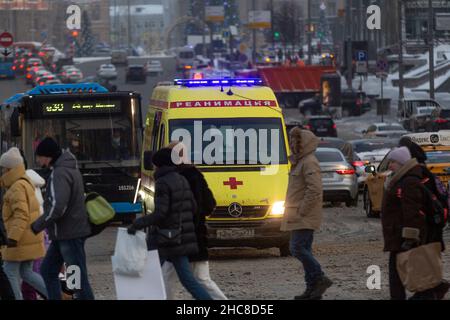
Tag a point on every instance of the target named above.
point(77, 107)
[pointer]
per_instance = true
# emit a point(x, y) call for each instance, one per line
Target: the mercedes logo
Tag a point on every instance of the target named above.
point(235, 210)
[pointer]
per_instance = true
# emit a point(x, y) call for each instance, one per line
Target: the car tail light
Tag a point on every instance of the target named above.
point(74, 72)
point(358, 163)
point(28, 69)
point(334, 126)
point(307, 127)
point(198, 76)
point(28, 76)
point(440, 120)
point(14, 68)
point(41, 83)
point(346, 171)
point(21, 66)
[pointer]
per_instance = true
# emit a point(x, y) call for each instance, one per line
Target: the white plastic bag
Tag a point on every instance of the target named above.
point(130, 254)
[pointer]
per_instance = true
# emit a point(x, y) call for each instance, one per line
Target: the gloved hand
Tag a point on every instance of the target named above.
point(409, 244)
point(132, 230)
point(12, 243)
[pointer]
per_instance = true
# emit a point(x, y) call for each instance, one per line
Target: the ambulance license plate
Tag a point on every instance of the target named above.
point(228, 234)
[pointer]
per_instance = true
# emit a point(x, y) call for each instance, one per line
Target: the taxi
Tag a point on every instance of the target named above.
point(234, 132)
point(436, 146)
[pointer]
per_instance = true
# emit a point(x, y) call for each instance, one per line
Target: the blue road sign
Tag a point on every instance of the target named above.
point(361, 55)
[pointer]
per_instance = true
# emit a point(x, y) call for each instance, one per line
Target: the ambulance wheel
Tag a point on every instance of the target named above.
point(285, 251)
point(368, 204)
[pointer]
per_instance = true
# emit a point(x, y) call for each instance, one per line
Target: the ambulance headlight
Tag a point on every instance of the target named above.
point(277, 209)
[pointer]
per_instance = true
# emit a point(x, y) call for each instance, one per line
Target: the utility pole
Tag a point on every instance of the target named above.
point(349, 23)
point(309, 34)
point(205, 51)
point(271, 24)
point(254, 35)
point(401, 87)
point(129, 26)
point(431, 44)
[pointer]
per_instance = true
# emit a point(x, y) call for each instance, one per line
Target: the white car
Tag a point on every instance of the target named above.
point(385, 130)
point(154, 68)
point(107, 71)
point(371, 152)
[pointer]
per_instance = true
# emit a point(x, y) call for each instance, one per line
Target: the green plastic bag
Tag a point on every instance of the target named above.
point(99, 209)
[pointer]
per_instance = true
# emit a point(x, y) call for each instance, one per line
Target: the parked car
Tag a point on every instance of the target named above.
point(38, 74)
point(136, 73)
point(370, 152)
point(52, 81)
point(439, 120)
point(418, 121)
point(312, 106)
point(385, 130)
point(354, 103)
point(44, 79)
point(338, 177)
point(119, 57)
point(107, 71)
point(154, 68)
point(103, 82)
point(74, 75)
point(321, 126)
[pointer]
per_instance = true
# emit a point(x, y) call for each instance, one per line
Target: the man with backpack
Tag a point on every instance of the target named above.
point(65, 219)
point(405, 218)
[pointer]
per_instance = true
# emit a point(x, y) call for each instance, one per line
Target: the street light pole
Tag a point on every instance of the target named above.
point(431, 44)
point(254, 35)
point(349, 57)
point(309, 34)
point(400, 53)
point(129, 25)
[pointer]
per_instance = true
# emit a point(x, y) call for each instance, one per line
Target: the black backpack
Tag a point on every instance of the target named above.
point(437, 202)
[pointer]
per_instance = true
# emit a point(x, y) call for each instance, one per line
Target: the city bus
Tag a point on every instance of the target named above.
point(102, 129)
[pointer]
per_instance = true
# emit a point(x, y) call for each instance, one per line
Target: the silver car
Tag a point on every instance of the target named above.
point(340, 183)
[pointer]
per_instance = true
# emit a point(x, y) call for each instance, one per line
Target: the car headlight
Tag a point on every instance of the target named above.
point(277, 209)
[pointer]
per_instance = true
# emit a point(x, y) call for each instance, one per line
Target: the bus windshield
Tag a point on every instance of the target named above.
point(232, 141)
point(90, 140)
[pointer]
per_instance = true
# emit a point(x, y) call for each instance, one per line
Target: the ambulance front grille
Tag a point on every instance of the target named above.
point(250, 212)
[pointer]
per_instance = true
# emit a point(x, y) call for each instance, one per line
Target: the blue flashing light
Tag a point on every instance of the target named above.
point(218, 82)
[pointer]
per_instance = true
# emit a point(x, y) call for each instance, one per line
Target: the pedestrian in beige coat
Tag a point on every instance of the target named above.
point(303, 214)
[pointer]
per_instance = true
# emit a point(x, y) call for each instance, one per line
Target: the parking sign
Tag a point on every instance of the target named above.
point(361, 55)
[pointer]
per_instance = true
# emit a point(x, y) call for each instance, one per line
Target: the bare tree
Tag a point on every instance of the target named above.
point(286, 21)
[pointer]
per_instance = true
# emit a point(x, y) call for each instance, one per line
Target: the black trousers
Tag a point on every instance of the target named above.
point(6, 292)
point(396, 288)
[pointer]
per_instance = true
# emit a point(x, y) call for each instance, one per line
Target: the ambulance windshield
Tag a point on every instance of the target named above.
point(238, 141)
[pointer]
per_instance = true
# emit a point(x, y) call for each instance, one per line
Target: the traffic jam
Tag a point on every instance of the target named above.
point(220, 173)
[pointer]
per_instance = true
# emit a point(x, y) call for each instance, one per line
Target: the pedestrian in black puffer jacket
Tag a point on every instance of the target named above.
point(174, 203)
point(205, 207)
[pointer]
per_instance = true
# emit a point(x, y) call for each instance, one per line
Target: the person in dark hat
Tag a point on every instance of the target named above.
point(65, 218)
point(174, 210)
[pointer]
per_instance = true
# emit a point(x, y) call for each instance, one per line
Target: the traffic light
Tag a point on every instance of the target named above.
point(75, 33)
point(277, 35)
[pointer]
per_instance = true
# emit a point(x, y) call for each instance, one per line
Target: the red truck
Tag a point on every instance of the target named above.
point(290, 84)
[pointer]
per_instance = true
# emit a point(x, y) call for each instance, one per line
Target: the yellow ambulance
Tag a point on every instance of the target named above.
point(436, 146)
point(234, 132)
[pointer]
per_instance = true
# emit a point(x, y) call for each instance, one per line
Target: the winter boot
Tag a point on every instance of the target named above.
point(320, 287)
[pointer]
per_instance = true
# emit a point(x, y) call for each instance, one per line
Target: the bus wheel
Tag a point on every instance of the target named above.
point(285, 251)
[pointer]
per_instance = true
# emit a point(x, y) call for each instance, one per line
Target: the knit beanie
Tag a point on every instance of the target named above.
point(11, 159)
point(48, 148)
point(401, 155)
point(163, 158)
